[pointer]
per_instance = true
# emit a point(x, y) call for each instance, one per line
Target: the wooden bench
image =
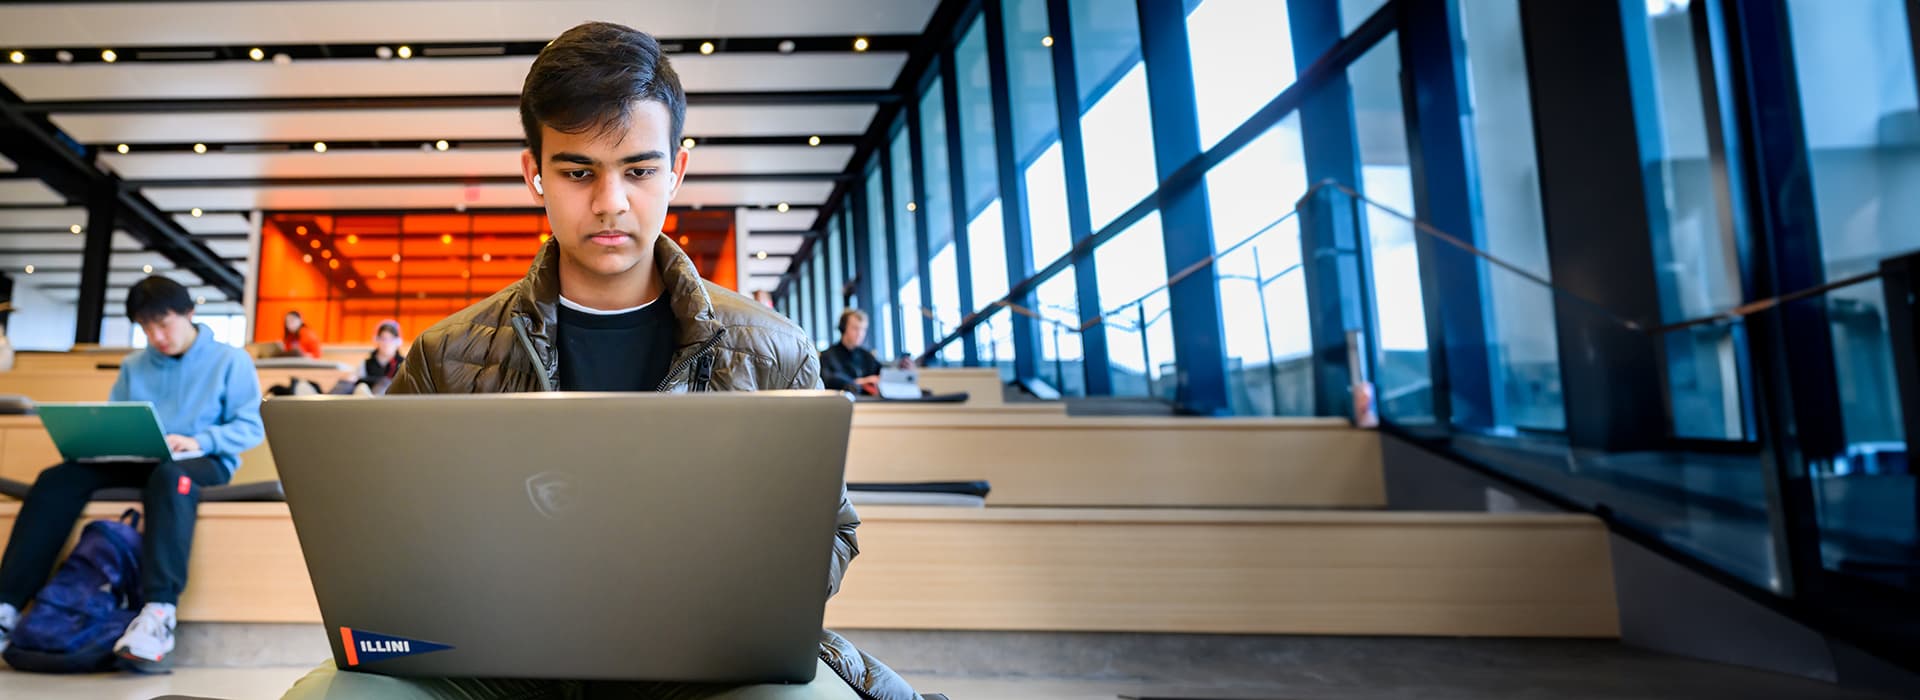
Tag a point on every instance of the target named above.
point(1036, 460)
point(26, 449)
point(981, 384)
point(1136, 570)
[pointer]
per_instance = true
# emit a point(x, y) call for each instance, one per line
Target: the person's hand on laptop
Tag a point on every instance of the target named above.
point(182, 443)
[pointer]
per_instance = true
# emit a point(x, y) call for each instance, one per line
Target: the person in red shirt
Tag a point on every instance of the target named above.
point(300, 340)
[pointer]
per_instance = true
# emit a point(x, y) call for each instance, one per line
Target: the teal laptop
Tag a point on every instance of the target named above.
point(126, 431)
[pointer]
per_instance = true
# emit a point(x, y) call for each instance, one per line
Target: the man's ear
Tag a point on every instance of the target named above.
point(530, 169)
point(679, 171)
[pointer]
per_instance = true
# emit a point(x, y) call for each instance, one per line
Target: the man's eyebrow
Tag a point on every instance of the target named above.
point(575, 158)
point(643, 157)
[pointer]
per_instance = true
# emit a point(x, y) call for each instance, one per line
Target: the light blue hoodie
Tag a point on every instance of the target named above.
point(210, 393)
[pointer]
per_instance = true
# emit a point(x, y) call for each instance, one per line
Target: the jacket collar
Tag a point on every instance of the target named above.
point(680, 281)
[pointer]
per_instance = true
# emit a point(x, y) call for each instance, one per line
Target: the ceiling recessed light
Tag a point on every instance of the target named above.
point(302, 230)
point(762, 255)
point(782, 207)
point(281, 59)
point(683, 240)
point(326, 254)
point(381, 274)
point(306, 257)
point(256, 54)
point(353, 239)
point(200, 148)
point(351, 284)
point(464, 274)
point(813, 140)
point(196, 212)
point(122, 148)
point(29, 269)
point(17, 57)
point(63, 56)
point(315, 243)
point(486, 257)
point(333, 264)
point(441, 145)
point(912, 207)
point(405, 52)
point(396, 257)
point(319, 147)
point(786, 46)
point(544, 237)
point(688, 143)
point(446, 239)
point(109, 56)
point(383, 52)
point(74, 228)
point(706, 47)
point(860, 44)
point(147, 269)
point(1047, 41)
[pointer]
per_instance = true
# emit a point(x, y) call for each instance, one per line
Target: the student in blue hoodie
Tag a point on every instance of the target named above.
point(208, 399)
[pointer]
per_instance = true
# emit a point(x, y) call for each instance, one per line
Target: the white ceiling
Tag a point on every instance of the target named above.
point(128, 26)
point(426, 125)
point(24, 191)
point(500, 75)
point(366, 21)
point(458, 162)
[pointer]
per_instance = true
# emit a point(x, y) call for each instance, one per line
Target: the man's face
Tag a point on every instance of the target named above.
point(171, 334)
point(606, 192)
point(856, 332)
point(293, 323)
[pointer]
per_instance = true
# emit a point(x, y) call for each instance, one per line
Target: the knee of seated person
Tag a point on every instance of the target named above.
point(168, 476)
point(58, 472)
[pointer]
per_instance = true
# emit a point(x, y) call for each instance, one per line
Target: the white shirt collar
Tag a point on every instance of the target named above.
point(576, 306)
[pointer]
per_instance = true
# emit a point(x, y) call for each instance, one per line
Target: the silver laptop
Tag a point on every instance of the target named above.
point(899, 383)
point(583, 536)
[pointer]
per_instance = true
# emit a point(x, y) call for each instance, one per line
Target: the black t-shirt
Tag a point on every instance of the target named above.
point(620, 352)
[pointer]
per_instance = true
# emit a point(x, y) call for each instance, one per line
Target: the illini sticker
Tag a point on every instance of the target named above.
point(367, 647)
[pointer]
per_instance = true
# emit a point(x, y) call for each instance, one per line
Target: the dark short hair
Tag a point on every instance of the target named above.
point(589, 78)
point(151, 299)
point(387, 327)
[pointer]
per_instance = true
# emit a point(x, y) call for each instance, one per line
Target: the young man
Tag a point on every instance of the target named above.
point(610, 304)
point(207, 397)
point(846, 366)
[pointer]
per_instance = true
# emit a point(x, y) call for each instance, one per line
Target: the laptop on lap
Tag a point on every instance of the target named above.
point(581, 536)
point(123, 431)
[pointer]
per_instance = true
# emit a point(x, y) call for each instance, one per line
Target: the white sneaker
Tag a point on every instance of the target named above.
point(148, 640)
point(8, 618)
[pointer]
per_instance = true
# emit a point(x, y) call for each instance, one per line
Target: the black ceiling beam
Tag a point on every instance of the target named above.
point(36, 146)
point(447, 180)
point(282, 104)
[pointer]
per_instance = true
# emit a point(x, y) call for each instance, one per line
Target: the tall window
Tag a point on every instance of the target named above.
point(1226, 37)
point(906, 242)
point(1138, 323)
point(1526, 351)
point(878, 267)
point(1854, 62)
point(1263, 291)
point(943, 271)
point(986, 231)
point(1115, 121)
point(1404, 382)
point(1694, 249)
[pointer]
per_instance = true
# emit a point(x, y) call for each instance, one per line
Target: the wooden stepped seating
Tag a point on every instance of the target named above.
point(1134, 570)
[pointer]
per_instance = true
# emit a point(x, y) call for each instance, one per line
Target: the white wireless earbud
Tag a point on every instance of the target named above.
point(537, 189)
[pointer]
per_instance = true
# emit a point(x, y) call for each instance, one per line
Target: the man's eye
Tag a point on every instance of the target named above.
point(577, 175)
point(641, 173)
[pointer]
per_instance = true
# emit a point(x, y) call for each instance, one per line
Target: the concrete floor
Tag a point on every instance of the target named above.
point(1168, 667)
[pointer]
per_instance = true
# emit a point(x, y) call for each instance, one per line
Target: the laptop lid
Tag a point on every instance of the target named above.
point(584, 536)
point(899, 383)
point(102, 432)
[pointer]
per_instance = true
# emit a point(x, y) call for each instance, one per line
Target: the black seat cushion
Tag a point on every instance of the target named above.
point(255, 491)
point(964, 488)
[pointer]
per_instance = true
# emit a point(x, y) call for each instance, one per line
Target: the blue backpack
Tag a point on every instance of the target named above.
point(83, 610)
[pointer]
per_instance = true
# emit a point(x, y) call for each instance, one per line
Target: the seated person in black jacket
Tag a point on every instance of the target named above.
point(846, 366)
point(383, 364)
